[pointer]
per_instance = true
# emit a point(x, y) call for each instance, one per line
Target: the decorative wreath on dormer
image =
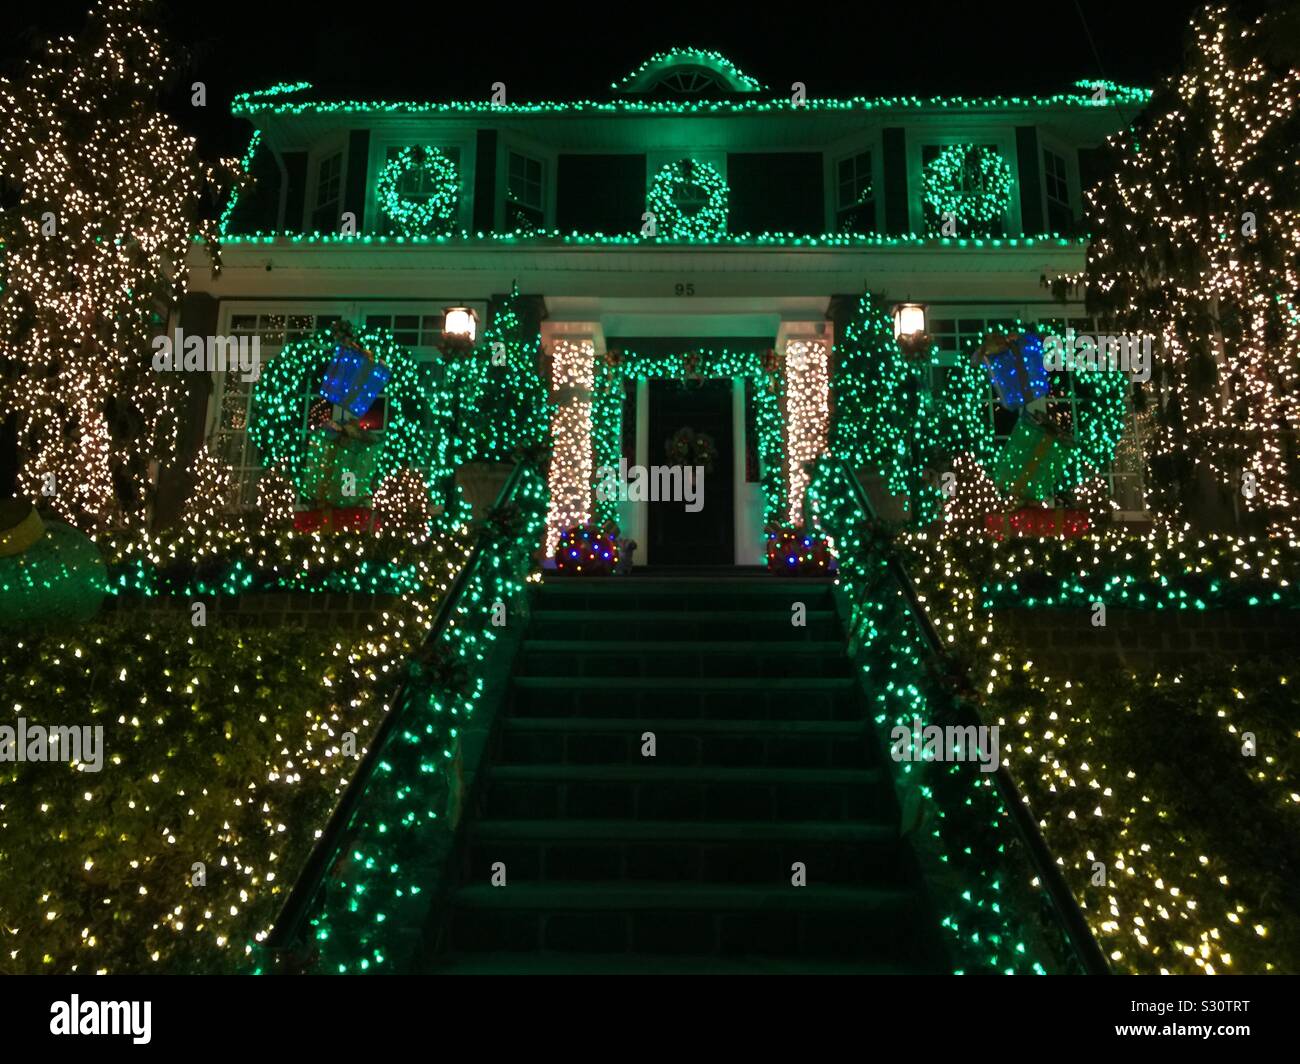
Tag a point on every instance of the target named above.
point(432, 210)
point(972, 184)
point(689, 201)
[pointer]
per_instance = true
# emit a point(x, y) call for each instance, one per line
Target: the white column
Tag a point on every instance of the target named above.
point(573, 367)
point(807, 348)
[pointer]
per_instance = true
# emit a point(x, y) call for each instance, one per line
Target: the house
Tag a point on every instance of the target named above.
point(679, 241)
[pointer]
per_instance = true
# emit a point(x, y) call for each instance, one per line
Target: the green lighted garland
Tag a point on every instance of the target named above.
point(971, 183)
point(417, 433)
point(710, 220)
point(607, 413)
point(379, 884)
point(435, 215)
point(980, 875)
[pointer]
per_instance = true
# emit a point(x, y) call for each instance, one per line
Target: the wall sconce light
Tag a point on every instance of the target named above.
point(910, 330)
point(459, 328)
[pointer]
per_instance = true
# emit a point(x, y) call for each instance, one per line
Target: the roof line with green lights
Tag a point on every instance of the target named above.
point(253, 103)
point(746, 240)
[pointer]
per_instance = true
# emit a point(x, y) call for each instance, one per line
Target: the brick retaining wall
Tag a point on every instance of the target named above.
point(1062, 639)
point(292, 609)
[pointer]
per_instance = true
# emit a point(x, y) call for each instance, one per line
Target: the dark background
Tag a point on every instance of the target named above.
point(430, 51)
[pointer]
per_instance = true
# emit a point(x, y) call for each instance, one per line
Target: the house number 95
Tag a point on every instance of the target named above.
point(686, 288)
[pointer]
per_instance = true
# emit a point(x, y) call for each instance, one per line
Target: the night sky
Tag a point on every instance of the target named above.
point(559, 51)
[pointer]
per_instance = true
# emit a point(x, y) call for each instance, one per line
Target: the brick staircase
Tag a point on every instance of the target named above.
point(682, 862)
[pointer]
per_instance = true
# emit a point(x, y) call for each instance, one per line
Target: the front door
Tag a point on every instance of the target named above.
point(690, 426)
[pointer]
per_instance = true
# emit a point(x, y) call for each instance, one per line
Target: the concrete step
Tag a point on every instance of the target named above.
point(735, 743)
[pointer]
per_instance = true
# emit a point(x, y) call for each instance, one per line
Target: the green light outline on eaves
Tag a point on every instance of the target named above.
point(245, 166)
point(1116, 94)
point(826, 241)
point(279, 89)
point(714, 61)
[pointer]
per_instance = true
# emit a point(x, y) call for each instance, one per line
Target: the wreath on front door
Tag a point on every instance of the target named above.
point(688, 447)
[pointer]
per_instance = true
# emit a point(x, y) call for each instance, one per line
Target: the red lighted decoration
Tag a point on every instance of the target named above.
point(343, 519)
point(1039, 522)
point(796, 552)
point(586, 550)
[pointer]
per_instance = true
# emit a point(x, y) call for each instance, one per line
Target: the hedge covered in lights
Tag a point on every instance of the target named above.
point(221, 746)
point(1174, 836)
point(233, 561)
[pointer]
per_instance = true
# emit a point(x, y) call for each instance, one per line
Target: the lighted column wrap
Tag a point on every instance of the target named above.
point(807, 405)
point(573, 365)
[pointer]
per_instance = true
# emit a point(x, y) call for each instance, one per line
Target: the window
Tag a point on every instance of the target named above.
point(855, 196)
point(233, 395)
point(525, 206)
point(329, 194)
point(416, 184)
point(1060, 214)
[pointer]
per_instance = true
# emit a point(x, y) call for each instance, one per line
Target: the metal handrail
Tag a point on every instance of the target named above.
point(297, 907)
point(1058, 891)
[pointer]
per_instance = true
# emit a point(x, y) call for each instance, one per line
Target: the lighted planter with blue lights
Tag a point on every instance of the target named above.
point(1015, 368)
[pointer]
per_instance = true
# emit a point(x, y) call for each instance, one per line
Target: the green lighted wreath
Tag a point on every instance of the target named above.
point(1100, 416)
point(971, 183)
point(431, 216)
point(416, 431)
point(688, 200)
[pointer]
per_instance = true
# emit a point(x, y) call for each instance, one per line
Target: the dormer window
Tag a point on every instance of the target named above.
point(855, 194)
point(525, 191)
point(329, 194)
point(1060, 212)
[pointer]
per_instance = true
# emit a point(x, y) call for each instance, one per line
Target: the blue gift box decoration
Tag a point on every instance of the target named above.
point(354, 381)
point(1016, 370)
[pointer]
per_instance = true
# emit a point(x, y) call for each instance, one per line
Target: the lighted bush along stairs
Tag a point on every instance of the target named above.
point(619, 862)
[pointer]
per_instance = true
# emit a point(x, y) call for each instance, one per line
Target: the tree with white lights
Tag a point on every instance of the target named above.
point(107, 194)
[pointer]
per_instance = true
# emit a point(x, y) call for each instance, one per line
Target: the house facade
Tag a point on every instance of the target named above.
point(679, 243)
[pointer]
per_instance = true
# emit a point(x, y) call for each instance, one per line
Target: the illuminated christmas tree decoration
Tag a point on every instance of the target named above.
point(886, 420)
point(81, 299)
point(498, 391)
point(1198, 246)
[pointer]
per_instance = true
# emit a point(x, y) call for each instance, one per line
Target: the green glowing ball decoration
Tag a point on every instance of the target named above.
point(51, 574)
point(689, 201)
point(434, 211)
point(971, 183)
point(417, 432)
